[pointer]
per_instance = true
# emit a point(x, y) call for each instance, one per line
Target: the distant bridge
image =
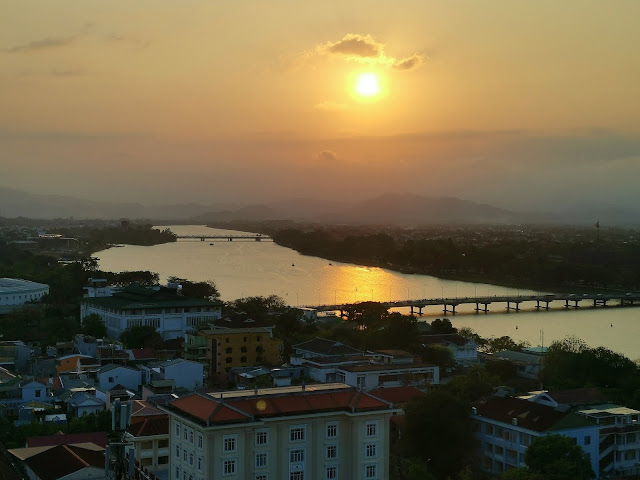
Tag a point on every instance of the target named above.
point(513, 302)
point(228, 238)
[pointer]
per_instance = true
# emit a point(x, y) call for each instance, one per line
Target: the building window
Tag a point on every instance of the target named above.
point(360, 381)
point(372, 429)
point(261, 437)
point(258, 338)
point(37, 393)
point(587, 440)
point(261, 476)
point(244, 339)
point(177, 451)
point(296, 456)
point(228, 360)
point(184, 455)
point(296, 476)
point(229, 467)
point(296, 434)
point(332, 430)
point(243, 359)
point(177, 473)
point(177, 429)
point(332, 451)
point(190, 458)
point(371, 472)
point(261, 460)
point(191, 437)
point(200, 442)
point(229, 443)
point(185, 433)
point(226, 340)
point(243, 349)
point(229, 350)
point(370, 450)
point(199, 464)
point(331, 473)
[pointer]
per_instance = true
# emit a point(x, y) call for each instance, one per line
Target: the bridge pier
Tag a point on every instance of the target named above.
point(599, 302)
point(485, 309)
point(453, 309)
point(575, 305)
point(419, 309)
point(538, 306)
point(516, 308)
point(202, 239)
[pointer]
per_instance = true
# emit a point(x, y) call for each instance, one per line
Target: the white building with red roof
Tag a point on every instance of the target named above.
point(321, 431)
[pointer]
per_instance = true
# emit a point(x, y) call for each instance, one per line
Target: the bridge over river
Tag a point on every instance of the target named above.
point(511, 302)
point(229, 238)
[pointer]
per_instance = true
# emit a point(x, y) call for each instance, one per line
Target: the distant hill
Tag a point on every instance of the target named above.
point(388, 209)
point(16, 203)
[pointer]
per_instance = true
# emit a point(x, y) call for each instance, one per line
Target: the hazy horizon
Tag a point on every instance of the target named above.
point(522, 106)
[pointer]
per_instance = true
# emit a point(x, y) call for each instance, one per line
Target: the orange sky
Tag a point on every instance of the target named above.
point(181, 101)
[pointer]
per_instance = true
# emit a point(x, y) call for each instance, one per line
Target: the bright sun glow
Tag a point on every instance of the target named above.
point(367, 85)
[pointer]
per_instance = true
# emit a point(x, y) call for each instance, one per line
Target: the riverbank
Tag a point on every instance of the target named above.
point(569, 259)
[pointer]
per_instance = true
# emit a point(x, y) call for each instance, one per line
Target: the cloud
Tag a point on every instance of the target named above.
point(409, 63)
point(327, 156)
point(44, 44)
point(327, 106)
point(365, 49)
point(127, 39)
point(355, 45)
point(67, 72)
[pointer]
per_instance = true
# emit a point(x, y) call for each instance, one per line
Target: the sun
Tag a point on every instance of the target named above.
point(367, 85)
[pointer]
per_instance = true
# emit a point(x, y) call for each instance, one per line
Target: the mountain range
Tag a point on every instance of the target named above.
point(388, 209)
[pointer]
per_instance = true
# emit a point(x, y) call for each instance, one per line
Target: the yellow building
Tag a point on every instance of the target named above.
point(240, 347)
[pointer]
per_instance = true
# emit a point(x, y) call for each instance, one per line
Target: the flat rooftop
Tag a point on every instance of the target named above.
point(17, 285)
point(315, 387)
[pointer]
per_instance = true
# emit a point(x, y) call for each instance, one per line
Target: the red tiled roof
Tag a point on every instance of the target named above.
point(62, 460)
point(143, 408)
point(150, 426)
point(99, 438)
point(579, 396)
point(397, 394)
point(143, 353)
point(243, 408)
point(533, 416)
point(204, 408)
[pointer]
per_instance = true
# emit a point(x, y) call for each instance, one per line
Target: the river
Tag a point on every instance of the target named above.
point(250, 268)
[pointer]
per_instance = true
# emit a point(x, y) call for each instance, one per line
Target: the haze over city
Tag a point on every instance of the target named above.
point(526, 105)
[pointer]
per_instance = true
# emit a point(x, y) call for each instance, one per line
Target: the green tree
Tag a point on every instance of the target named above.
point(520, 474)
point(557, 457)
point(437, 431)
point(257, 306)
point(205, 290)
point(141, 337)
point(505, 342)
point(442, 326)
point(94, 326)
point(438, 355)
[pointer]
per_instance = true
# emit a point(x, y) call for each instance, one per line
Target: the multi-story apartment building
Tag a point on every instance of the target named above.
point(331, 361)
point(506, 426)
point(317, 432)
point(619, 438)
point(171, 314)
point(240, 347)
